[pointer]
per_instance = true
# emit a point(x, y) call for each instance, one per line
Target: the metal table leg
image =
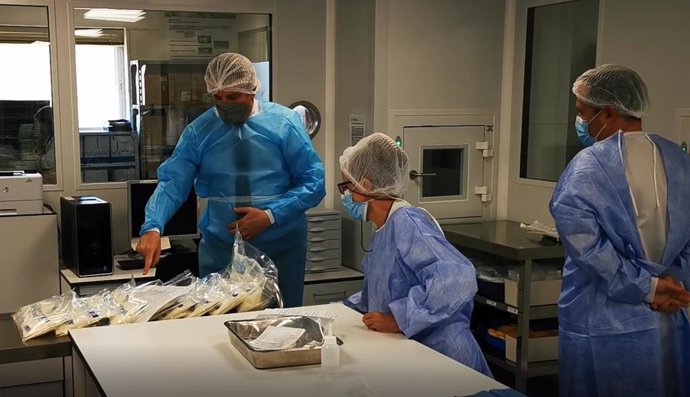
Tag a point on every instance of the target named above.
point(524, 294)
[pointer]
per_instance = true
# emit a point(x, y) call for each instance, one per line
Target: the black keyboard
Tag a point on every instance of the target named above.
point(129, 264)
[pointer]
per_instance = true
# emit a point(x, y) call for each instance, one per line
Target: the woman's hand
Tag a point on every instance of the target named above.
point(380, 322)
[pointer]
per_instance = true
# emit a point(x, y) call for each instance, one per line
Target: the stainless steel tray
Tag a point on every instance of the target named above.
point(308, 350)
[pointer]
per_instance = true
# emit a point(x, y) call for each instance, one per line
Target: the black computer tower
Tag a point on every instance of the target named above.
point(86, 236)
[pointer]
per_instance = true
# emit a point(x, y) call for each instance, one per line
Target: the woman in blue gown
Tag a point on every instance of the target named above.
point(415, 281)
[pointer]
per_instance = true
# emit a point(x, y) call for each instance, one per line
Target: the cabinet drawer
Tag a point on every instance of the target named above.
point(323, 255)
point(329, 224)
point(30, 372)
point(321, 218)
point(322, 264)
point(321, 293)
point(319, 246)
point(319, 235)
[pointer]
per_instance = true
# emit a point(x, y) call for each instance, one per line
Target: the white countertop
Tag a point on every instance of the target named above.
point(195, 357)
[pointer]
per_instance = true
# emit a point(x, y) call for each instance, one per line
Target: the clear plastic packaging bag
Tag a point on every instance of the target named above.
point(43, 316)
point(88, 311)
point(131, 306)
point(252, 266)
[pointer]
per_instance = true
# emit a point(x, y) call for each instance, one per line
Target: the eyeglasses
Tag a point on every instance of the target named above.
point(344, 187)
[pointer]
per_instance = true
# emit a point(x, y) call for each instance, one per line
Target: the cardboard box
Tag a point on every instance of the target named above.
point(198, 88)
point(95, 148)
point(542, 292)
point(154, 89)
point(94, 176)
point(153, 129)
point(123, 174)
point(180, 88)
point(122, 146)
point(538, 349)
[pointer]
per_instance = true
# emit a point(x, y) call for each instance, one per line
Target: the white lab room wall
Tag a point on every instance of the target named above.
point(412, 55)
point(649, 37)
point(298, 44)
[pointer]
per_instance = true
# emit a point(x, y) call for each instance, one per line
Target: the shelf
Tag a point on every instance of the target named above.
point(540, 368)
point(497, 305)
point(535, 312)
point(101, 166)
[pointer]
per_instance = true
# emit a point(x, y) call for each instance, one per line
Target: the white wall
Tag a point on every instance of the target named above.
point(649, 37)
point(437, 54)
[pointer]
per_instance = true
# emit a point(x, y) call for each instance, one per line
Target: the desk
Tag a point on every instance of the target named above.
point(195, 357)
point(90, 285)
point(34, 368)
point(507, 240)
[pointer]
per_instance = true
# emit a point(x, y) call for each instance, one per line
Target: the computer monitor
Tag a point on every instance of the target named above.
point(183, 224)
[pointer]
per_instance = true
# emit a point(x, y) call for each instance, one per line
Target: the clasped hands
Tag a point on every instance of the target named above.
point(253, 221)
point(670, 296)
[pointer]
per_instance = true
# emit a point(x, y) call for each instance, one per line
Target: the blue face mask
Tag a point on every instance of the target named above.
point(354, 209)
point(582, 129)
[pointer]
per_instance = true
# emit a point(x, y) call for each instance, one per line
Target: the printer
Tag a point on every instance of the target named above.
point(21, 193)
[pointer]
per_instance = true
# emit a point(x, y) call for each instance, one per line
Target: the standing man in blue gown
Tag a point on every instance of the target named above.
point(621, 208)
point(254, 163)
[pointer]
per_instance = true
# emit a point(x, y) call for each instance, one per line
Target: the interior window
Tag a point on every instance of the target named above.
point(27, 138)
point(561, 45)
point(134, 106)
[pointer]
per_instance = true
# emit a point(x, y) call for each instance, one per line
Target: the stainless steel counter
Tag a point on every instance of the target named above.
point(504, 239)
point(13, 350)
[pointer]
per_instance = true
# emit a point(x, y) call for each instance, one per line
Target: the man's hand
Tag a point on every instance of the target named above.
point(149, 247)
point(670, 296)
point(253, 221)
point(380, 322)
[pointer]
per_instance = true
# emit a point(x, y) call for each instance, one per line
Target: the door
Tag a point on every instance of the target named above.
point(445, 168)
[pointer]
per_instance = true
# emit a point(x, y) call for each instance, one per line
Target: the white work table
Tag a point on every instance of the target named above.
point(195, 357)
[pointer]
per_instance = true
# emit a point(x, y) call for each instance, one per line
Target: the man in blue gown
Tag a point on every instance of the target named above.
point(415, 281)
point(621, 209)
point(254, 163)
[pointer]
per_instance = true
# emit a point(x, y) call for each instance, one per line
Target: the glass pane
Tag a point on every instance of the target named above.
point(561, 45)
point(141, 85)
point(26, 116)
point(447, 165)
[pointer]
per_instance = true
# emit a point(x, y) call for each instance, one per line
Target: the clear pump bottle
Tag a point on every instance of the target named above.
point(330, 353)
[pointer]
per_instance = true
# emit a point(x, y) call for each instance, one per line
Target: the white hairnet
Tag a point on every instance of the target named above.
point(233, 72)
point(378, 159)
point(613, 85)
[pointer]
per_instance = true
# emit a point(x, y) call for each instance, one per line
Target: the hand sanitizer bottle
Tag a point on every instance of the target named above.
point(330, 353)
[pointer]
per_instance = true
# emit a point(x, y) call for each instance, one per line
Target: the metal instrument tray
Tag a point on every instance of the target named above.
point(307, 350)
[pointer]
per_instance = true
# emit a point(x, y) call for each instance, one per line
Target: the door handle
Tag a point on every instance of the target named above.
point(414, 174)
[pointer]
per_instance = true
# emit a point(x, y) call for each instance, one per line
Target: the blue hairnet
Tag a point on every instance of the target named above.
point(613, 85)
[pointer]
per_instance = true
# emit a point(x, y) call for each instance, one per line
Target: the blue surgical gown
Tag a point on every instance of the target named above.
point(414, 273)
point(609, 339)
point(267, 162)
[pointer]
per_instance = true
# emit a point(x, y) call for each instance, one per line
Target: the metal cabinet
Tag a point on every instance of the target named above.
point(505, 239)
point(335, 286)
point(323, 241)
point(29, 273)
